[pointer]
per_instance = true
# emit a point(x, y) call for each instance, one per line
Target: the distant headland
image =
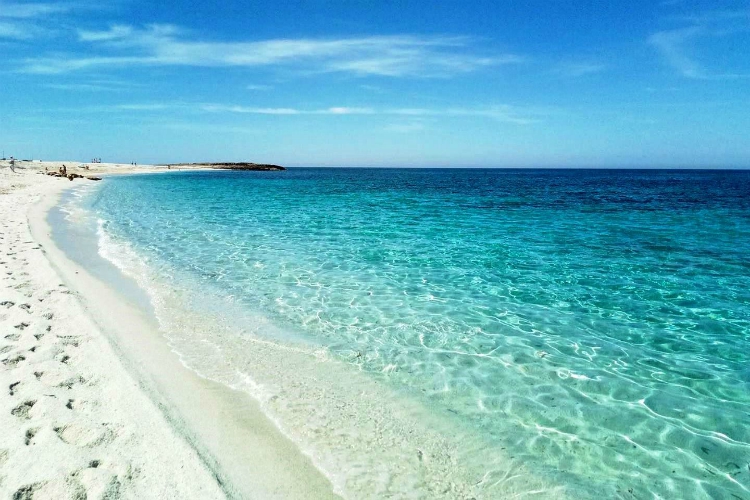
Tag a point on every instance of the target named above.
point(230, 166)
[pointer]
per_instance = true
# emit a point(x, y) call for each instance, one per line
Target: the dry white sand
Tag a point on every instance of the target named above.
point(75, 424)
point(79, 418)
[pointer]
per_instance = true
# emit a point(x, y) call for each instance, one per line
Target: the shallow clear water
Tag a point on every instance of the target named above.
point(593, 324)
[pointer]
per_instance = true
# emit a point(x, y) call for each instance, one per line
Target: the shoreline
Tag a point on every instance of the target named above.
point(243, 449)
point(341, 415)
point(232, 449)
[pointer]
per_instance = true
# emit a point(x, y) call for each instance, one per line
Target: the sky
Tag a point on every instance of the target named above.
point(459, 83)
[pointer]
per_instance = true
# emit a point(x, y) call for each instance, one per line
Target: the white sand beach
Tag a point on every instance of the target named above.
point(84, 413)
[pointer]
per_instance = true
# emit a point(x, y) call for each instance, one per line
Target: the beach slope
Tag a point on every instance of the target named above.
point(81, 416)
point(75, 424)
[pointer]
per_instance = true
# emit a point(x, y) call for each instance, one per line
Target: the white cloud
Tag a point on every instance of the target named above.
point(115, 32)
point(144, 107)
point(258, 87)
point(36, 20)
point(14, 31)
point(93, 86)
point(32, 10)
point(166, 45)
point(339, 110)
point(349, 111)
point(518, 115)
point(503, 113)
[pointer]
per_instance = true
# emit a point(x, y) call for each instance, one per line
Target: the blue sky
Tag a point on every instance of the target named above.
point(379, 82)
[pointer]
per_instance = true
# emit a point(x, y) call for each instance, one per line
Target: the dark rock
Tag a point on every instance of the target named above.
point(233, 166)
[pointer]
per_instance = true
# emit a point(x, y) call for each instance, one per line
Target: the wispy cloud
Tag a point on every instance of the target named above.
point(142, 107)
point(31, 10)
point(372, 88)
point(117, 32)
point(737, 18)
point(519, 115)
point(672, 46)
point(24, 21)
point(678, 47)
point(576, 69)
point(14, 31)
point(339, 110)
point(164, 45)
point(502, 113)
point(92, 86)
point(258, 87)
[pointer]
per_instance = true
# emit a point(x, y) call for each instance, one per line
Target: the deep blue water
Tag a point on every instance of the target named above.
point(594, 323)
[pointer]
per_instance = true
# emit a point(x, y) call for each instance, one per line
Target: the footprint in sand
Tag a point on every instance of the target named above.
point(85, 435)
point(63, 358)
point(63, 487)
point(26, 492)
point(71, 382)
point(71, 340)
point(14, 362)
point(29, 437)
point(22, 411)
point(99, 482)
point(13, 387)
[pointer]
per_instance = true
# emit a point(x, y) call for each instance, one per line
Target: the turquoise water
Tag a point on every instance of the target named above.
point(593, 325)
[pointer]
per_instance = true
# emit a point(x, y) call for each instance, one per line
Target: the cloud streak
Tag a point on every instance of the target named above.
point(25, 21)
point(124, 46)
point(501, 113)
point(677, 46)
point(220, 108)
point(672, 47)
point(258, 87)
point(93, 86)
point(32, 10)
point(14, 31)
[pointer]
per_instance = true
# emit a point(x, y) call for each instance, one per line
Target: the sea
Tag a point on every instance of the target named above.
point(460, 333)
